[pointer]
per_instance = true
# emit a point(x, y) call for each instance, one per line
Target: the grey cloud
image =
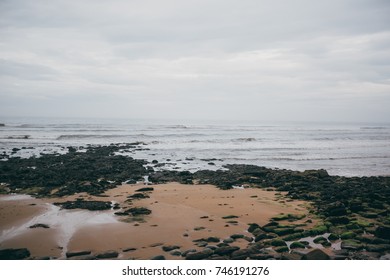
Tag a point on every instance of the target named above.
point(147, 58)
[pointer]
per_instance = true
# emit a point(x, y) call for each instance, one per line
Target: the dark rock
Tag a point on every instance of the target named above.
point(185, 253)
point(213, 239)
point(336, 209)
point(351, 245)
point(129, 249)
point(281, 249)
point(296, 245)
point(136, 211)
point(316, 254)
point(138, 196)
point(159, 257)
point(147, 189)
point(168, 248)
point(199, 255)
point(81, 204)
point(107, 255)
point(241, 254)
point(222, 251)
point(175, 253)
point(383, 232)
point(252, 227)
point(14, 254)
point(278, 242)
point(291, 256)
point(77, 253)
point(39, 226)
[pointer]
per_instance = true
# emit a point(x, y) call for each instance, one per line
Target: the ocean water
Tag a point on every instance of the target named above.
point(341, 149)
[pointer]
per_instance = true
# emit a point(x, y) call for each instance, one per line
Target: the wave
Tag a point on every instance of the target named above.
point(374, 127)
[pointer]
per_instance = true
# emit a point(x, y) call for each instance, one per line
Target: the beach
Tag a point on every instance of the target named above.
point(180, 214)
point(97, 203)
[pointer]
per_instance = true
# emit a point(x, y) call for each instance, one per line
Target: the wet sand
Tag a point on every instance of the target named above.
point(180, 214)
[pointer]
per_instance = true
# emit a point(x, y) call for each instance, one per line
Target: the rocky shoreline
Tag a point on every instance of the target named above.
point(352, 211)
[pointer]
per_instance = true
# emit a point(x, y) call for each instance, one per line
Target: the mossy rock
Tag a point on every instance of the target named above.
point(281, 249)
point(297, 244)
point(348, 235)
point(283, 231)
point(326, 243)
point(351, 244)
point(333, 237)
point(321, 229)
point(319, 239)
point(294, 236)
point(370, 215)
point(278, 242)
point(252, 227)
point(363, 223)
point(290, 217)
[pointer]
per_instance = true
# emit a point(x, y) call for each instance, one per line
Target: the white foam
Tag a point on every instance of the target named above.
point(66, 222)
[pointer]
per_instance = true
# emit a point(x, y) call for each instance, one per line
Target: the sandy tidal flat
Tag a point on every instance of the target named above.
point(180, 214)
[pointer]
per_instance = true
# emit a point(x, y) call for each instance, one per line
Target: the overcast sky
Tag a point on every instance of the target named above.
point(265, 60)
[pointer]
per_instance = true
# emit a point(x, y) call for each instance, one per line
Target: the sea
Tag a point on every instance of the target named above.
point(348, 149)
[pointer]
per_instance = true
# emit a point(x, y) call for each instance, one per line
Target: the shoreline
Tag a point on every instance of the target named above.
point(237, 213)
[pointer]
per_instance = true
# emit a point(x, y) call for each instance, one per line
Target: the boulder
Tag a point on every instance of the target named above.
point(77, 253)
point(168, 248)
point(199, 255)
point(316, 254)
point(159, 257)
point(39, 226)
point(227, 250)
point(14, 254)
point(383, 232)
point(107, 255)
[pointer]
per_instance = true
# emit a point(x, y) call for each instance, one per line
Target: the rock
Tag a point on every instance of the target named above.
point(281, 249)
point(175, 253)
point(129, 249)
point(237, 236)
point(383, 232)
point(77, 253)
point(159, 257)
point(227, 250)
point(316, 254)
point(185, 253)
point(377, 247)
point(348, 235)
point(333, 237)
point(319, 239)
point(278, 242)
point(136, 211)
point(39, 226)
point(107, 255)
point(228, 240)
point(81, 204)
point(199, 255)
point(342, 220)
point(297, 244)
point(14, 254)
point(351, 245)
point(252, 227)
point(336, 209)
point(212, 239)
point(241, 254)
point(168, 248)
point(385, 257)
point(290, 256)
point(138, 196)
point(147, 189)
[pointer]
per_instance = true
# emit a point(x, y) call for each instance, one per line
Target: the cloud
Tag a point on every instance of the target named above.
point(280, 60)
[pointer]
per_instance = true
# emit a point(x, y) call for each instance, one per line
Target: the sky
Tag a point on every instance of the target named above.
point(259, 60)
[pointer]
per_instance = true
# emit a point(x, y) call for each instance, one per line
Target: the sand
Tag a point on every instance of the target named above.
point(180, 214)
